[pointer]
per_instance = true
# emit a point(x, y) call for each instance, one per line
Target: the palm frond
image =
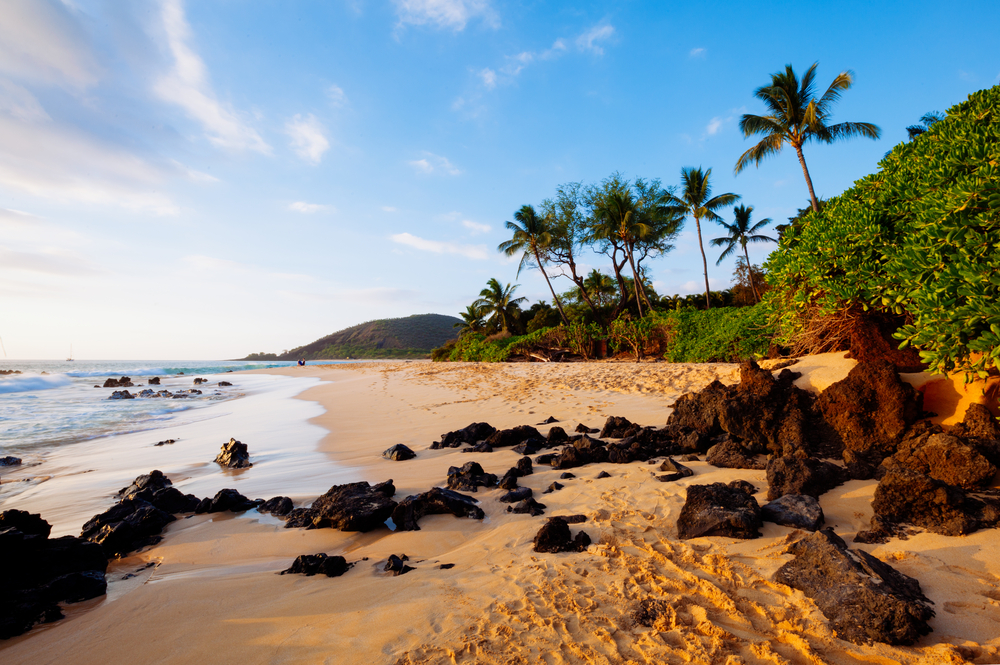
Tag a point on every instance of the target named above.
point(721, 201)
point(769, 145)
point(846, 130)
point(842, 82)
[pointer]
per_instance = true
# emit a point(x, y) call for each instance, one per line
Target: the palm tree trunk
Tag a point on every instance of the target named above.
point(554, 296)
point(635, 284)
point(809, 182)
point(704, 263)
point(753, 287)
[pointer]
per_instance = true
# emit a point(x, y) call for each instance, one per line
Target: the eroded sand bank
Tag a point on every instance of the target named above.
point(213, 594)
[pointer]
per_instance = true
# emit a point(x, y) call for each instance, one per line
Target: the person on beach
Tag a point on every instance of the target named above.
point(302, 362)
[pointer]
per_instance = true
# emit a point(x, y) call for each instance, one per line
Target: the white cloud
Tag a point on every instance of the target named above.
point(17, 102)
point(557, 49)
point(49, 261)
point(336, 96)
point(697, 53)
point(308, 208)
point(489, 78)
point(187, 85)
point(475, 227)
point(720, 123)
point(432, 163)
point(388, 209)
point(453, 14)
point(713, 126)
point(41, 41)
point(438, 247)
point(308, 138)
point(589, 41)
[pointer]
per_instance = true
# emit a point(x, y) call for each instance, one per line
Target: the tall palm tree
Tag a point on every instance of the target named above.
point(616, 215)
point(531, 237)
point(741, 233)
point(499, 302)
point(796, 117)
point(472, 321)
point(696, 199)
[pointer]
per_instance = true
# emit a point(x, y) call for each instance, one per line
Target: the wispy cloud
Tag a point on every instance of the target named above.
point(388, 209)
point(438, 247)
point(187, 85)
point(720, 123)
point(431, 163)
point(48, 261)
point(697, 52)
point(591, 39)
point(713, 126)
point(337, 96)
point(489, 78)
point(308, 138)
point(309, 208)
point(475, 227)
point(445, 14)
point(41, 41)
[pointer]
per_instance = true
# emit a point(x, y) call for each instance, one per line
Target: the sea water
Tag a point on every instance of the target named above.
point(79, 448)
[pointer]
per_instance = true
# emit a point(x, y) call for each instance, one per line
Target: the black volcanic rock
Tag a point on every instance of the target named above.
point(616, 427)
point(278, 506)
point(350, 507)
point(437, 501)
point(515, 495)
point(226, 500)
point(397, 566)
point(731, 453)
point(905, 496)
point(802, 475)
point(126, 526)
point(512, 437)
point(795, 510)
point(864, 599)
point(10, 460)
point(527, 506)
point(718, 510)
point(555, 536)
point(469, 477)
point(471, 434)
point(398, 453)
point(234, 455)
point(312, 564)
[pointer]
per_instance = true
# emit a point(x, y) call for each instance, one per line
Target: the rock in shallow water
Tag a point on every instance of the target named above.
point(234, 455)
point(865, 599)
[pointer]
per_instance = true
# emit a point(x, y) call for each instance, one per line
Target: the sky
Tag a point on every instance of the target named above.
point(202, 180)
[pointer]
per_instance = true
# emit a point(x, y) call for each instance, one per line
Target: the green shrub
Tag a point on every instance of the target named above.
point(920, 238)
point(722, 334)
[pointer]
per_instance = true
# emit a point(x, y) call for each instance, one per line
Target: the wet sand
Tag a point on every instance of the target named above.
point(213, 595)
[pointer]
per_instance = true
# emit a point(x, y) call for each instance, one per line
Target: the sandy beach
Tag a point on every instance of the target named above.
point(210, 591)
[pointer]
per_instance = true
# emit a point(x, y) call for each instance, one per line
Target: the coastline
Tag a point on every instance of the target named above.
point(214, 580)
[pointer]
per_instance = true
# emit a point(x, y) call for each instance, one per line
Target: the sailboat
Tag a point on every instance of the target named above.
point(70, 359)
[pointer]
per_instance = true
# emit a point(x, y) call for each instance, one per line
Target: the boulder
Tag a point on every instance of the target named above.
point(278, 506)
point(566, 475)
point(529, 447)
point(905, 496)
point(173, 501)
point(515, 495)
point(764, 412)
point(583, 429)
point(437, 501)
point(481, 447)
point(864, 599)
point(980, 429)
point(603, 474)
point(674, 471)
point(198, 381)
point(399, 453)
point(731, 453)
point(350, 507)
point(224, 384)
point(555, 536)
point(311, 564)
point(234, 455)
point(943, 457)
point(226, 500)
point(718, 510)
point(554, 487)
point(547, 459)
point(469, 477)
point(512, 437)
point(10, 460)
point(616, 427)
point(145, 485)
point(866, 414)
point(802, 475)
point(41, 572)
point(154, 381)
point(471, 434)
point(743, 486)
point(556, 435)
point(121, 394)
point(509, 479)
point(124, 382)
point(801, 511)
point(584, 450)
point(395, 565)
point(527, 506)
point(523, 466)
point(127, 526)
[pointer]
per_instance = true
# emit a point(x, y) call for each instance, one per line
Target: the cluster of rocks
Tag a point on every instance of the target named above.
point(124, 382)
point(149, 393)
point(10, 460)
point(41, 572)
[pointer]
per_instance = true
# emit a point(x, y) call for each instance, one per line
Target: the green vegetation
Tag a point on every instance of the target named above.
point(917, 240)
point(724, 334)
point(410, 337)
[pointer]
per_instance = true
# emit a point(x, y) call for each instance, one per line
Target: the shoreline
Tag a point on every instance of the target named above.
point(214, 576)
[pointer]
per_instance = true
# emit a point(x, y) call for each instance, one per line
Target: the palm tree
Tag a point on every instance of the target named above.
point(927, 121)
point(616, 215)
point(472, 321)
point(796, 117)
point(697, 200)
point(531, 237)
point(740, 232)
point(499, 302)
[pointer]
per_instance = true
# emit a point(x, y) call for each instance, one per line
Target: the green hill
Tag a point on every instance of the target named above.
point(409, 337)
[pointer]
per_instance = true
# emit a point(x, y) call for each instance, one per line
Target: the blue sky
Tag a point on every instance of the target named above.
point(206, 179)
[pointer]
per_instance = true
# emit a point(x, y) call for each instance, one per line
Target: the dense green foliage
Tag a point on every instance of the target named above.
point(724, 334)
point(920, 238)
point(410, 337)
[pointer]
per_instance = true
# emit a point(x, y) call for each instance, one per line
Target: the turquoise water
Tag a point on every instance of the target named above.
point(53, 403)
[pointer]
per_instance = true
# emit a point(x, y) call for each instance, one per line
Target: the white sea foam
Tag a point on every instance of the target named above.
point(26, 383)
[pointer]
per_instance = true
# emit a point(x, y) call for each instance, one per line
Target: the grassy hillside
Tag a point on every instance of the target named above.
point(410, 337)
